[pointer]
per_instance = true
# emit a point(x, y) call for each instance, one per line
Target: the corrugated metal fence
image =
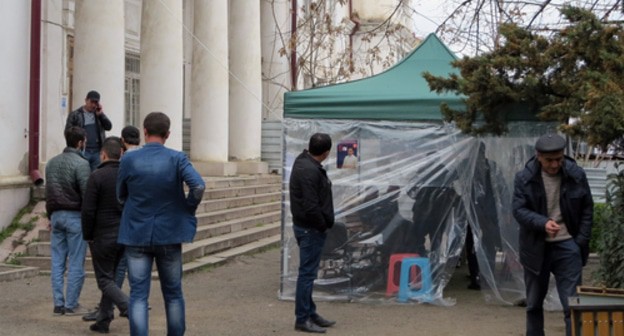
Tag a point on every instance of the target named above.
point(272, 143)
point(597, 178)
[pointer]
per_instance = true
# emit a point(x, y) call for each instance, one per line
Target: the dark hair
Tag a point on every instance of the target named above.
point(112, 147)
point(74, 135)
point(131, 135)
point(319, 143)
point(157, 123)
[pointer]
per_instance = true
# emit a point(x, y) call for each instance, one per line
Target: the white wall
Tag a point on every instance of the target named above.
point(54, 81)
point(12, 200)
point(14, 81)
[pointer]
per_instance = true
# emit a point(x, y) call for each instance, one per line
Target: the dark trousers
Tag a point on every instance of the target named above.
point(471, 256)
point(310, 243)
point(563, 260)
point(105, 254)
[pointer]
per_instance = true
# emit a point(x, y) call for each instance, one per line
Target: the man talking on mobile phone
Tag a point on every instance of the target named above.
point(91, 117)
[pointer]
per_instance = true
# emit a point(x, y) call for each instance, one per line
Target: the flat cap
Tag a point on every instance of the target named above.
point(550, 143)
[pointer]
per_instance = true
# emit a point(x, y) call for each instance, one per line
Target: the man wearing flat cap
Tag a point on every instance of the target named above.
point(552, 203)
point(91, 117)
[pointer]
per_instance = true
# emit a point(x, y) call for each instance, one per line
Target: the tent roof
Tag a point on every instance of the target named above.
point(399, 93)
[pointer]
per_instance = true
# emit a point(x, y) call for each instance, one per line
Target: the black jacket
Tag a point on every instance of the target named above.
point(101, 212)
point(529, 209)
point(76, 118)
point(311, 201)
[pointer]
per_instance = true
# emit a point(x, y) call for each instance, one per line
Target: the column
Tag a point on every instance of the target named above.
point(245, 83)
point(99, 57)
point(161, 64)
point(275, 33)
point(209, 89)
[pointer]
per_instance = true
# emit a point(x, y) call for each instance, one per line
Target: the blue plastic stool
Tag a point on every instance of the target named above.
point(423, 293)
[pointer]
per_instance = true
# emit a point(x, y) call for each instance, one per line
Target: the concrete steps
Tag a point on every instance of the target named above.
point(238, 215)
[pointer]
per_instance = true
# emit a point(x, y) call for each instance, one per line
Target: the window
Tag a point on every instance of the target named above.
point(132, 89)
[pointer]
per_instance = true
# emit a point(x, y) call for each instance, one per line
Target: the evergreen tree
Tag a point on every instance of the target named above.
point(574, 74)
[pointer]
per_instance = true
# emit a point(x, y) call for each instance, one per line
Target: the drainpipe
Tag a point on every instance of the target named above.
point(293, 52)
point(35, 88)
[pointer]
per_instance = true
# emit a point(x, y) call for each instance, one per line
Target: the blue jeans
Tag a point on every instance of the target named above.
point(310, 243)
point(67, 250)
point(93, 156)
point(169, 264)
point(564, 260)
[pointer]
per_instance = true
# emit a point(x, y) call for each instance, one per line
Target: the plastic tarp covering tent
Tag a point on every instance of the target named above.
point(404, 182)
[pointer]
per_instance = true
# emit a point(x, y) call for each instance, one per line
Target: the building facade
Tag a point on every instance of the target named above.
point(220, 65)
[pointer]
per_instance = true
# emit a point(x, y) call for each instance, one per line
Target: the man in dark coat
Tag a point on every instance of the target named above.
point(311, 204)
point(101, 214)
point(552, 203)
point(92, 119)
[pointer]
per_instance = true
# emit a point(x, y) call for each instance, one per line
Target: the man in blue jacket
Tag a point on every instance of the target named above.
point(312, 208)
point(157, 218)
point(552, 203)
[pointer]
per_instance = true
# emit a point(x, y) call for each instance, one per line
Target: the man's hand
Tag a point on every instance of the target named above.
point(99, 110)
point(552, 228)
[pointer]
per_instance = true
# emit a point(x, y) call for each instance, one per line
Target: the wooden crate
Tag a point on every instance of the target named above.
point(597, 312)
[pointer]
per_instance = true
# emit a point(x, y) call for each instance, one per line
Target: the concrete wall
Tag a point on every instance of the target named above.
point(14, 195)
point(14, 107)
point(14, 81)
point(57, 19)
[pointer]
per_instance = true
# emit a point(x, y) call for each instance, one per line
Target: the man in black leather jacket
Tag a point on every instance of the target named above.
point(311, 204)
point(92, 119)
point(552, 203)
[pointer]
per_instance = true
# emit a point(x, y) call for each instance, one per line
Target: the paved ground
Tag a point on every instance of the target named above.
point(240, 298)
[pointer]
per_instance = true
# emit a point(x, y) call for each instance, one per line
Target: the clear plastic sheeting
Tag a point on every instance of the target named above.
point(411, 188)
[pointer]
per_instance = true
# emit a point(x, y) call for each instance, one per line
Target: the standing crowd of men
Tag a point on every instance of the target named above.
point(129, 206)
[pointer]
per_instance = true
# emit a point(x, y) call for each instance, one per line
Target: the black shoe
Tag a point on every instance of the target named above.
point(310, 327)
point(102, 329)
point(92, 316)
point(58, 311)
point(321, 322)
point(474, 285)
point(123, 313)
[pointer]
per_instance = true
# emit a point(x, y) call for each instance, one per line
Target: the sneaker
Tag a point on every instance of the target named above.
point(58, 311)
point(78, 310)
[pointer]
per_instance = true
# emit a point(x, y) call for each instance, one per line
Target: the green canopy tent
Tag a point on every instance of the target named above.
point(415, 176)
point(399, 93)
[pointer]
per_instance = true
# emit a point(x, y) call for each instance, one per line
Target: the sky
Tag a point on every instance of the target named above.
point(429, 14)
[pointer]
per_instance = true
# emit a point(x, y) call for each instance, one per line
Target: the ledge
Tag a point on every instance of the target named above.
point(15, 182)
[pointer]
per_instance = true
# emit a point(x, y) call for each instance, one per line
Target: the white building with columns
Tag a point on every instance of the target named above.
point(213, 64)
